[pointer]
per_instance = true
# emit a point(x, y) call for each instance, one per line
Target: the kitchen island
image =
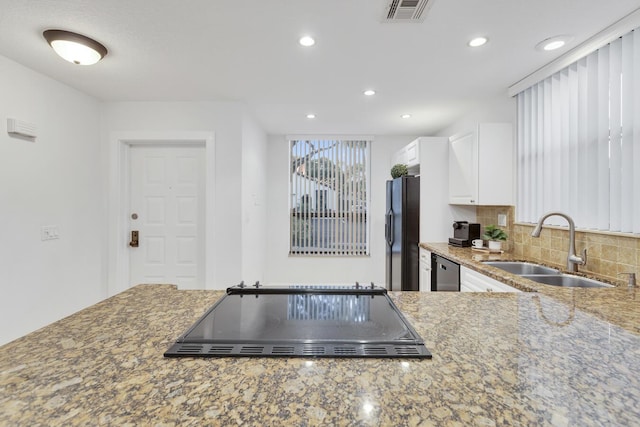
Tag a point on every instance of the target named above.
point(498, 359)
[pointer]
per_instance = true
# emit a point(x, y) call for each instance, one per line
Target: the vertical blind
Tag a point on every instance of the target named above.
point(329, 196)
point(579, 139)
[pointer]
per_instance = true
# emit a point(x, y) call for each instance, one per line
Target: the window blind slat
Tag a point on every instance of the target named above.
point(636, 132)
point(626, 137)
point(572, 182)
point(582, 159)
point(603, 140)
point(528, 159)
point(590, 172)
point(519, 156)
point(538, 137)
point(555, 120)
point(615, 136)
point(565, 143)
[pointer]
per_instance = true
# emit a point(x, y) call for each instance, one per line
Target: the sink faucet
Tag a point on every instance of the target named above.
point(573, 260)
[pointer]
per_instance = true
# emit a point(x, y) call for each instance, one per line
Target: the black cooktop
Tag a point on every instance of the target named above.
point(302, 321)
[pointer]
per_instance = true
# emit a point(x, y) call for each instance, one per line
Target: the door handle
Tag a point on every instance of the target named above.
point(134, 239)
point(389, 228)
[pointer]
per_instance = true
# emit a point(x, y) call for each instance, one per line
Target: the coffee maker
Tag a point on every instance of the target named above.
point(464, 233)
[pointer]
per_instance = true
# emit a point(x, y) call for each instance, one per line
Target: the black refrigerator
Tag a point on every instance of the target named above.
point(402, 232)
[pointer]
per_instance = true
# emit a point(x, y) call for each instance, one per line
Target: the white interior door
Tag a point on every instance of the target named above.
point(167, 210)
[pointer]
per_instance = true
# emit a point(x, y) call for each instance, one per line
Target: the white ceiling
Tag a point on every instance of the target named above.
point(248, 51)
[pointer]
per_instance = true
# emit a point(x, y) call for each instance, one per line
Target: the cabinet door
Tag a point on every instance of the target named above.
point(411, 153)
point(463, 169)
point(425, 270)
point(466, 287)
point(477, 282)
point(495, 164)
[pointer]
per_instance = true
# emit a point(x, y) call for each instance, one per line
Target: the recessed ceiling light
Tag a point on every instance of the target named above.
point(311, 116)
point(307, 41)
point(75, 48)
point(553, 43)
point(369, 92)
point(406, 116)
point(478, 41)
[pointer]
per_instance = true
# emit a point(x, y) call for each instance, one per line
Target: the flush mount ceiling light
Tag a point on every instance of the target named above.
point(369, 92)
point(75, 48)
point(311, 116)
point(406, 116)
point(477, 42)
point(307, 41)
point(553, 43)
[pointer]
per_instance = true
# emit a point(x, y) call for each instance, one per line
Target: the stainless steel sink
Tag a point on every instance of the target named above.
point(546, 275)
point(522, 268)
point(566, 280)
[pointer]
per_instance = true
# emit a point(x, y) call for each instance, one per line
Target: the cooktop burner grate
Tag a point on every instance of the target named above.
point(302, 321)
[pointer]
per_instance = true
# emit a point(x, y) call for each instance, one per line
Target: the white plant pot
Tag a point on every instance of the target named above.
point(495, 245)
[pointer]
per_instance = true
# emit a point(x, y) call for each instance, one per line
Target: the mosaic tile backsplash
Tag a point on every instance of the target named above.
point(608, 255)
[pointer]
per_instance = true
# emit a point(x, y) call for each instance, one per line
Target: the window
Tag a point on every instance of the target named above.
point(579, 139)
point(329, 196)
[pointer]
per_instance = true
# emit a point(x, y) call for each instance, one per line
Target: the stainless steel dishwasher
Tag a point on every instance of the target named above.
point(445, 274)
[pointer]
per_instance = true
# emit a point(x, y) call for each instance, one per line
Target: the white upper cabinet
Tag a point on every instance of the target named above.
point(481, 166)
point(408, 155)
point(412, 153)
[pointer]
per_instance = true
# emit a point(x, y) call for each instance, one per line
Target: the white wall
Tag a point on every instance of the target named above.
point(282, 268)
point(254, 202)
point(52, 181)
point(225, 121)
point(501, 109)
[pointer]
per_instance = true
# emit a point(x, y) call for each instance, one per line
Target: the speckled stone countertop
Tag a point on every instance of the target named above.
point(522, 359)
point(619, 305)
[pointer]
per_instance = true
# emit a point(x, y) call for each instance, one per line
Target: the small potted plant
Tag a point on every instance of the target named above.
point(495, 236)
point(399, 170)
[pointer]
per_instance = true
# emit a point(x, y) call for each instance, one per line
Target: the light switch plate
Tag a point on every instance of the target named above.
point(502, 220)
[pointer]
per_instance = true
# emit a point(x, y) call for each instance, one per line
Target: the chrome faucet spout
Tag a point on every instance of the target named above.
point(573, 260)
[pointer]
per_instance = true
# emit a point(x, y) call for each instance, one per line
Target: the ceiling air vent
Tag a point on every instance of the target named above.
point(406, 10)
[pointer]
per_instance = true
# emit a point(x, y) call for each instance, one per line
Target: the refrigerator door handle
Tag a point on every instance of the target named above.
point(390, 221)
point(386, 228)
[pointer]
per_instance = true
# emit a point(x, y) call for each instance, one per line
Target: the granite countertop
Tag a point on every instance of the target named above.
point(498, 359)
point(619, 305)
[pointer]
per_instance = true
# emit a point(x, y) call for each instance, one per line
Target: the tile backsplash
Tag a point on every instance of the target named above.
point(608, 254)
point(488, 215)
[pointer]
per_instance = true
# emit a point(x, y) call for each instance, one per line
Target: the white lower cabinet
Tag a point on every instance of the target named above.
point(472, 281)
point(425, 270)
